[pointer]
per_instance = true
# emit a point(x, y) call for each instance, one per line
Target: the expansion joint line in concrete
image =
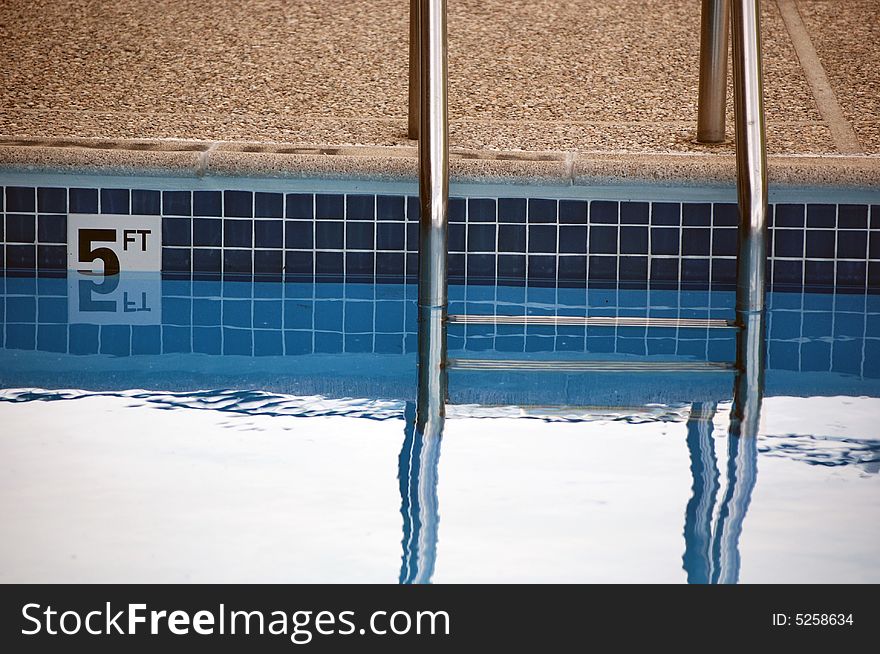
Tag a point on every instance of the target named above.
point(842, 133)
point(202, 163)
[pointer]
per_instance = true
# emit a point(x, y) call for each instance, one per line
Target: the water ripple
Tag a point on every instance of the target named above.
point(810, 449)
point(248, 402)
point(831, 451)
point(255, 402)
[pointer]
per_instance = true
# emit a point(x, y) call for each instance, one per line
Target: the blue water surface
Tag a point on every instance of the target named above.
point(543, 476)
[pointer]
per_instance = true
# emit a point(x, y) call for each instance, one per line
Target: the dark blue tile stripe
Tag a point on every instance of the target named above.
point(534, 240)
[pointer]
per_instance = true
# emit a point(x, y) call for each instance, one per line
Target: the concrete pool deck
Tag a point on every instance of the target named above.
point(545, 91)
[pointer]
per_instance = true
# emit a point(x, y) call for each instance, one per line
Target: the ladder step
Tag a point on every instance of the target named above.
point(593, 321)
point(590, 366)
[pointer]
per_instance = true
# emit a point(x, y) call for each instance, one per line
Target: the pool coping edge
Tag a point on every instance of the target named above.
point(191, 158)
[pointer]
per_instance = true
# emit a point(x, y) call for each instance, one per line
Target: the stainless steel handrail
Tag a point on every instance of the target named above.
point(591, 365)
point(712, 104)
point(434, 201)
point(592, 321)
point(751, 182)
point(430, 78)
point(413, 117)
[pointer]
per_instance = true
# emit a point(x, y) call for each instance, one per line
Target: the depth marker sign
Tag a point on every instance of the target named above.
point(114, 265)
point(111, 244)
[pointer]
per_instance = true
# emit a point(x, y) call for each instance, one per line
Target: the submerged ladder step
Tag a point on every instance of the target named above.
point(592, 321)
point(568, 365)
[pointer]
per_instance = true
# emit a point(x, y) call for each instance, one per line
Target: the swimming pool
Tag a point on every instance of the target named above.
point(245, 412)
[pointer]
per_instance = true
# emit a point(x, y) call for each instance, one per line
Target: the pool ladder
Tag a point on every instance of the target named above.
point(428, 121)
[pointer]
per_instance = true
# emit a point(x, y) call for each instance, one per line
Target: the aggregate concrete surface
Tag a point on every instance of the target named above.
point(579, 80)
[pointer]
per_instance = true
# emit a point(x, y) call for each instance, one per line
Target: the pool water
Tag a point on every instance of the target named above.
point(227, 431)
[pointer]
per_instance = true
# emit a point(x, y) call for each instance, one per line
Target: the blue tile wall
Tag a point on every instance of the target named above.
point(518, 241)
point(806, 331)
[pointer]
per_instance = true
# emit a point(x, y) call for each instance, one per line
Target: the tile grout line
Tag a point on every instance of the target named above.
point(842, 133)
